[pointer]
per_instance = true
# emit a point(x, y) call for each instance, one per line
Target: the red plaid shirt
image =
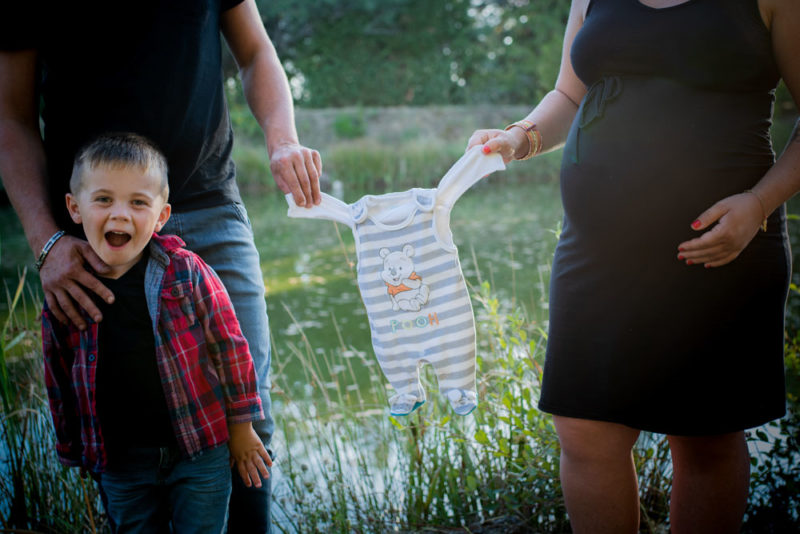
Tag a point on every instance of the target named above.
point(203, 359)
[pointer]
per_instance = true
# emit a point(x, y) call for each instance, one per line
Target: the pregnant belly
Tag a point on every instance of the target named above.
point(645, 157)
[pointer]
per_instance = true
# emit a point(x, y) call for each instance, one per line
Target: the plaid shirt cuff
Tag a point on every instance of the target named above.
point(244, 411)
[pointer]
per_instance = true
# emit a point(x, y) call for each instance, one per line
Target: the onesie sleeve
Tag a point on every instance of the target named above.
point(330, 208)
point(464, 173)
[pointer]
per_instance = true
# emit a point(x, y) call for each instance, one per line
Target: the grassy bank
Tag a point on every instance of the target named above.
point(373, 150)
point(342, 464)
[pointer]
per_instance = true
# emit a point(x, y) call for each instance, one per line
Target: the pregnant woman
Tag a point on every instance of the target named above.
point(670, 277)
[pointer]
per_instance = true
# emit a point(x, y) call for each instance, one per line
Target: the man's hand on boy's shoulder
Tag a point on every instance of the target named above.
point(65, 279)
point(248, 453)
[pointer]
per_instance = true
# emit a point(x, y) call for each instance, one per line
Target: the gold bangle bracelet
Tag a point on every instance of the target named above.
point(533, 135)
point(763, 210)
point(538, 136)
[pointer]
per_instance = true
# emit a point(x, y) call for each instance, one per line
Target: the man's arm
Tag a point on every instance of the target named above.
point(22, 167)
point(295, 168)
point(21, 154)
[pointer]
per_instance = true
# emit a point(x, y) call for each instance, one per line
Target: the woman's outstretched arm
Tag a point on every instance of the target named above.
point(554, 113)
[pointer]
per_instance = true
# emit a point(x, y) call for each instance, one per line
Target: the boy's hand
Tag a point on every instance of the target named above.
point(248, 453)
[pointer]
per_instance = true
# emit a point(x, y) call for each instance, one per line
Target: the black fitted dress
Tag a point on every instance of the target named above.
point(676, 117)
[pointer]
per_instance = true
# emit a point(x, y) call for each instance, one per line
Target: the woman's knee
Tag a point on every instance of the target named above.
point(708, 450)
point(589, 441)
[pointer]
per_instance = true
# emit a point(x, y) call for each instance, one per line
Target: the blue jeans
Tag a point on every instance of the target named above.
point(223, 237)
point(150, 486)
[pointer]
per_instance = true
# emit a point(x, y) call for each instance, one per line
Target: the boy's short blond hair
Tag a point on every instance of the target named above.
point(120, 149)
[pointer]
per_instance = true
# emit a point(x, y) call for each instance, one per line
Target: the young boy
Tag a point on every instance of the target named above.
point(147, 399)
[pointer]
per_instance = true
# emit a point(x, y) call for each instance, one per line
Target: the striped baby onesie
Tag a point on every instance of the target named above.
point(411, 282)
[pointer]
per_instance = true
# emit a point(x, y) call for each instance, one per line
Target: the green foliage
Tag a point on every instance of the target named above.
point(349, 125)
point(37, 493)
point(374, 150)
point(252, 167)
point(775, 478)
point(369, 52)
point(654, 469)
point(497, 469)
point(348, 468)
point(522, 454)
point(784, 103)
point(344, 466)
point(391, 52)
point(242, 121)
point(368, 167)
point(519, 50)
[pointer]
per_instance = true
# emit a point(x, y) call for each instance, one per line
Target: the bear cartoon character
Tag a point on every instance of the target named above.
point(403, 285)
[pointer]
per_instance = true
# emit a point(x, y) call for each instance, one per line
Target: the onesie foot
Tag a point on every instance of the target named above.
point(404, 404)
point(462, 401)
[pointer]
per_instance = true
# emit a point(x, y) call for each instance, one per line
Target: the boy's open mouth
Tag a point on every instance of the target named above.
point(117, 239)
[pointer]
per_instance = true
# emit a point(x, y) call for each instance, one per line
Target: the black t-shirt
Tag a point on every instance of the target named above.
point(131, 404)
point(152, 67)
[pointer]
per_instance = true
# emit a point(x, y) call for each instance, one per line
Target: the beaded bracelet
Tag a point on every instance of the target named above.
point(46, 249)
point(533, 135)
point(763, 211)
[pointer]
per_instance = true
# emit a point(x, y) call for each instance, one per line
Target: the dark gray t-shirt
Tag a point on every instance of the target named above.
point(152, 67)
point(131, 403)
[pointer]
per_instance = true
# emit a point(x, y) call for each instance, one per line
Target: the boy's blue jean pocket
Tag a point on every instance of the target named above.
point(149, 486)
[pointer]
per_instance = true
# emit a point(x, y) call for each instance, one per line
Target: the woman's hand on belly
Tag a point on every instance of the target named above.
point(737, 219)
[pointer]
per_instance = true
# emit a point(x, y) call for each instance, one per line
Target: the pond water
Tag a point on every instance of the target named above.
point(505, 235)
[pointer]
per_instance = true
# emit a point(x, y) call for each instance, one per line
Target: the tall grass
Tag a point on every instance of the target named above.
point(37, 493)
point(361, 471)
point(344, 466)
point(376, 150)
point(775, 478)
point(366, 166)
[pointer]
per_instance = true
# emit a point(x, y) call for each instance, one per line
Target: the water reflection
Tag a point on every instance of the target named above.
point(504, 236)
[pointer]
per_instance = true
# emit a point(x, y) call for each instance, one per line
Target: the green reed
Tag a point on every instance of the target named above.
point(349, 467)
point(343, 465)
point(365, 166)
point(36, 492)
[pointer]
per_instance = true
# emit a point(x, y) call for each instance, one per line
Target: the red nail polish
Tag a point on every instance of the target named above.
point(486, 149)
point(688, 262)
point(696, 224)
point(681, 249)
point(680, 256)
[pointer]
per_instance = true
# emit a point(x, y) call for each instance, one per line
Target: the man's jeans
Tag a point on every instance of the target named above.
point(223, 237)
point(149, 486)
